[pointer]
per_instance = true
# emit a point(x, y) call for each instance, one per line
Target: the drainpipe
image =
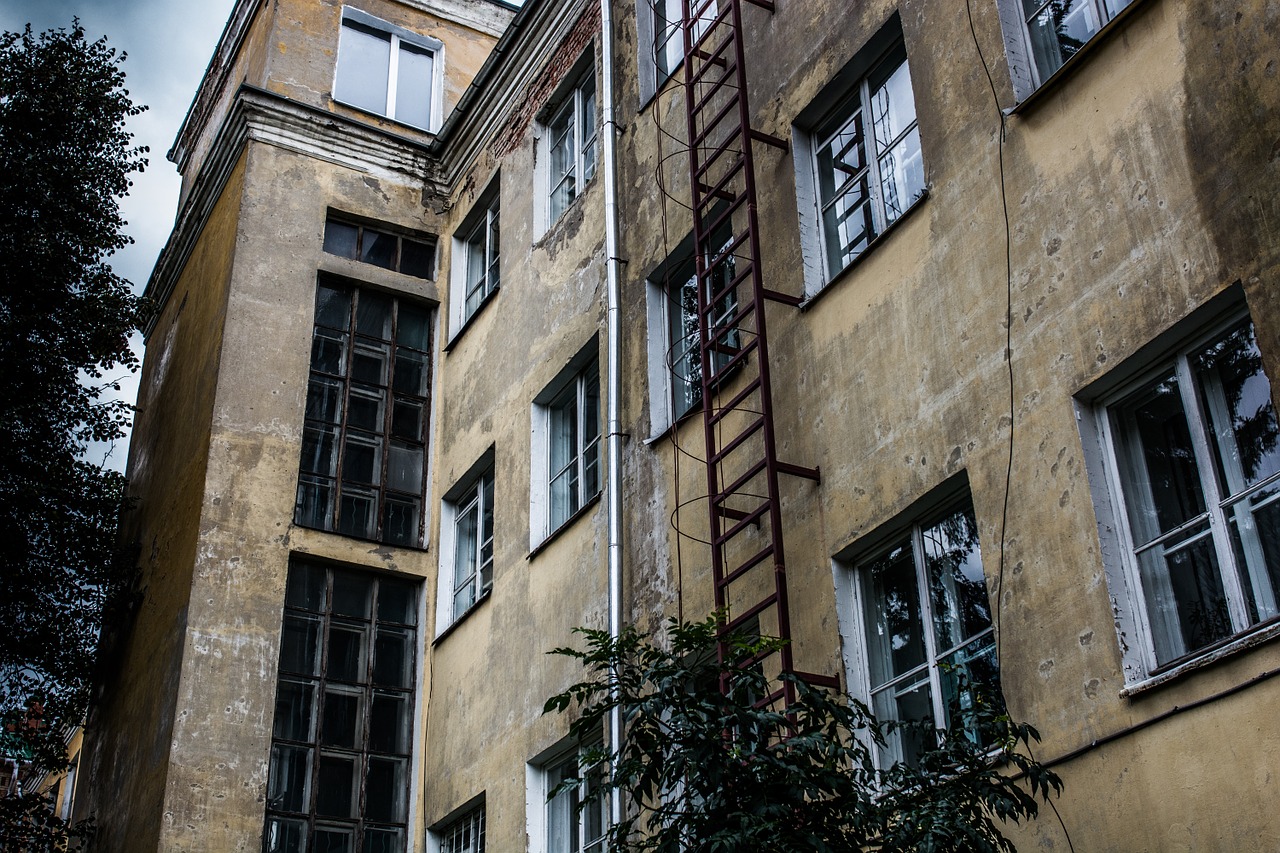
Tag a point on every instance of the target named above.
point(613, 346)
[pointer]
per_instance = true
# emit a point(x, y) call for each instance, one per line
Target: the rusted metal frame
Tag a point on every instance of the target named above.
point(767, 5)
point(710, 227)
point(784, 298)
point(831, 682)
point(736, 359)
point(735, 514)
point(716, 56)
point(754, 610)
point(715, 297)
point(731, 490)
point(724, 452)
point(766, 385)
point(751, 562)
point(776, 141)
point(731, 406)
point(713, 157)
point(702, 105)
point(781, 693)
point(719, 189)
point(697, 10)
point(800, 471)
point(710, 124)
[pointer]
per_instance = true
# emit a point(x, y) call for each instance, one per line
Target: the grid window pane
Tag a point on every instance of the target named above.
point(341, 746)
point(349, 462)
point(573, 432)
point(473, 544)
point(572, 147)
point(464, 835)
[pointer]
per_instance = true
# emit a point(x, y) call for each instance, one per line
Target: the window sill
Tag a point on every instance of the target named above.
point(1073, 64)
point(568, 522)
point(462, 617)
point(466, 324)
point(878, 240)
point(1254, 637)
point(382, 117)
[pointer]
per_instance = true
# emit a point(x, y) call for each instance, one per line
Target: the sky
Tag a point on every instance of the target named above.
point(169, 43)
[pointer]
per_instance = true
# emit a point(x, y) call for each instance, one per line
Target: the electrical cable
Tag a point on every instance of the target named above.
point(1008, 356)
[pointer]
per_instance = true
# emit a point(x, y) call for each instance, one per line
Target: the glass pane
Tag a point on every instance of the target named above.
point(562, 817)
point(901, 176)
point(357, 515)
point(333, 304)
point(466, 544)
point(957, 588)
point(411, 372)
point(667, 36)
point(347, 645)
point(334, 839)
point(393, 658)
point(413, 327)
point(407, 419)
point(564, 429)
point(848, 225)
point(386, 789)
point(891, 612)
point(477, 263)
point(373, 313)
point(285, 836)
point(314, 507)
point(342, 723)
point(893, 109)
point(1057, 31)
point(324, 399)
point(400, 520)
point(413, 85)
point(1157, 461)
point(1237, 398)
point(335, 793)
point(417, 259)
point(970, 673)
point(911, 702)
point(383, 840)
point(379, 250)
point(339, 239)
point(295, 710)
point(1255, 535)
point(320, 451)
point(683, 337)
point(305, 587)
point(352, 595)
point(369, 362)
point(404, 467)
point(564, 496)
point(300, 645)
point(587, 116)
point(364, 60)
point(289, 779)
point(366, 408)
point(390, 725)
point(362, 459)
point(1186, 604)
point(398, 601)
point(328, 351)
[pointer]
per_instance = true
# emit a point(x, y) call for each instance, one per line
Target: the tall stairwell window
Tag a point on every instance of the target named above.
point(363, 462)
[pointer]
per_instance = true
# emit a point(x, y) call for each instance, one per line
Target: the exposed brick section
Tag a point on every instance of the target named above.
point(536, 95)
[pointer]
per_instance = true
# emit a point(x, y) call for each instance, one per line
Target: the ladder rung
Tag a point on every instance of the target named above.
point(732, 406)
point(754, 610)
point(735, 514)
point(742, 480)
point(713, 123)
point(750, 564)
point(814, 474)
point(770, 139)
point(732, 364)
point(784, 298)
point(696, 13)
point(831, 682)
point(748, 520)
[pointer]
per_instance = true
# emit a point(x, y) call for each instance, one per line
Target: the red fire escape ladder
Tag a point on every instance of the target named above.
point(743, 470)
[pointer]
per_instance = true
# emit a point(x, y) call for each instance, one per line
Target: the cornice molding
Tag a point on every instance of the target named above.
point(264, 117)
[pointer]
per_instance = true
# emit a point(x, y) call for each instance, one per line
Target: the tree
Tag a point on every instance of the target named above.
point(65, 321)
point(707, 771)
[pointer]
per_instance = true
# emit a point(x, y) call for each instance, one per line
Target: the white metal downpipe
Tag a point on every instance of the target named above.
point(613, 485)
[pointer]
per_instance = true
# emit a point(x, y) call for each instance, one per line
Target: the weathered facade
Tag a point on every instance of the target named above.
point(1036, 274)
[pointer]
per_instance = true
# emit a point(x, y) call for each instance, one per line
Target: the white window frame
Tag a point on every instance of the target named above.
point(574, 101)
point(397, 35)
point(1137, 632)
point(480, 231)
point(656, 31)
point(1014, 23)
point(468, 492)
point(538, 786)
point(472, 814)
point(570, 383)
point(852, 594)
point(851, 93)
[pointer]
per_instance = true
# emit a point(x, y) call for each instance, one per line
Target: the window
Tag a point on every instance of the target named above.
point(389, 251)
point(559, 823)
point(571, 145)
point(477, 253)
point(364, 439)
point(1194, 464)
point(925, 624)
point(1042, 35)
point(340, 741)
point(566, 445)
point(668, 35)
point(387, 70)
point(857, 186)
point(466, 543)
point(464, 834)
point(675, 360)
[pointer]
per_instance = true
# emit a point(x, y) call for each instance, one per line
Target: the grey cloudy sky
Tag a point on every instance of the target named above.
point(169, 43)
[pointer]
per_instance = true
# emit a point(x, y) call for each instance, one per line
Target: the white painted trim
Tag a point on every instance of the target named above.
point(397, 35)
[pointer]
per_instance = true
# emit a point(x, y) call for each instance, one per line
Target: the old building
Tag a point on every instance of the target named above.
point(1012, 411)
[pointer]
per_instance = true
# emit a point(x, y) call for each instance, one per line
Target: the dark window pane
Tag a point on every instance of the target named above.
point(379, 249)
point(300, 645)
point(417, 259)
point(328, 351)
point(365, 408)
point(385, 789)
point(389, 724)
point(411, 372)
point(295, 710)
point(320, 451)
point(347, 645)
point(404, 467)
point(400, 520)
point(356, 514)
point(369, 363)
point(407, 420)
point(324, 399)
point(335, 792)
point(314, 506)
point(373, 315)
point(393, 658)
point(386, 841)
point(398, 601)
point(334, 839)
point(342, 724)
point(414, 327)
point(339, 239)
point(285, 836)
point(352, 595)
point(290, 778)
point(895, 640)
point(305, 587)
